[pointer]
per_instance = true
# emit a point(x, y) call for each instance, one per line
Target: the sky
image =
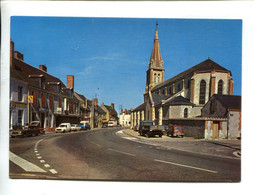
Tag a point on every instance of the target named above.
point(109, 56)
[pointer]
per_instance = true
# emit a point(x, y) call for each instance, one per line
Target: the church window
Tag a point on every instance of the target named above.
point(159, 78)
point(155, 75)
point(163, 91)
point(179, 87)
point(185, 113)
point(170, 91)
point(202, 92)
point(220, 86)
point(188, 84)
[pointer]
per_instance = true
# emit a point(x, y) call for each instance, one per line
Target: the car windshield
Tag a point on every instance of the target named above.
point(63, 125)
point(147, 123)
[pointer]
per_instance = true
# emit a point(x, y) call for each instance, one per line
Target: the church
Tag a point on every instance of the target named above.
point(180, 99)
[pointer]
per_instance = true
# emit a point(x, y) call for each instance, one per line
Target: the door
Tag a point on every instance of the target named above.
point(215, 130)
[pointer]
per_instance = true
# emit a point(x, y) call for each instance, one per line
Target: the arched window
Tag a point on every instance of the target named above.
point(202, 91)
point(170, 91)
point(185, 113)
point(220, 86)
point(188, 84)
point(163, 91)
point(159, 78)
point(179, 87)
point(155, 75)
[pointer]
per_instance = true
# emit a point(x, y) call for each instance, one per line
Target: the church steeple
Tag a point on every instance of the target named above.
point(155, 72)
point(156, 60)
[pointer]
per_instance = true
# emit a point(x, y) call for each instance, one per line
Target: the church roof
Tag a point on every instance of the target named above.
point(140, 107)
point(205, 66)
point(179, 100)
point(157, 98)
point(156, 60)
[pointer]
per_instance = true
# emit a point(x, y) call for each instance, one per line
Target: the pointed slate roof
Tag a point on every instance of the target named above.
point(205, 66)
point(156, 60)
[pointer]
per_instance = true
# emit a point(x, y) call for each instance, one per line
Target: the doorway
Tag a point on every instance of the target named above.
point(215, 129)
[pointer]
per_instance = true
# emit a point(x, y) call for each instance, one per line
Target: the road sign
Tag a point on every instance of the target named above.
point(30, 99)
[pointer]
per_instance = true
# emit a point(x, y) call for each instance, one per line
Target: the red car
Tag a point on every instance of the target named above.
point(175, 131)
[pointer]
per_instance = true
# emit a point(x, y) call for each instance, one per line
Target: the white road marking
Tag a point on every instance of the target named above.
point(39, 157)
point(96, 144)
point(47, 165)
point(35, 151)
point(53, 171)
point(37, 154)
point(187, 166)
point(42, 161)
point(130, 138)
point(24, 164)
point(121, 152)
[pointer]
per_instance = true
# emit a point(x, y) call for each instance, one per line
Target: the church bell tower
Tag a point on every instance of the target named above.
point(155, 72)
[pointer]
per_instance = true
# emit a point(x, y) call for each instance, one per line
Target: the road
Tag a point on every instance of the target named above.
point(109, 154)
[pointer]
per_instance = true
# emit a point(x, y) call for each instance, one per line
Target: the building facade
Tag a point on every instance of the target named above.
point(125, 118)
point(181, 98)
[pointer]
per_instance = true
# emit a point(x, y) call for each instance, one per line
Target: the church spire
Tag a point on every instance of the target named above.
point(156, 60)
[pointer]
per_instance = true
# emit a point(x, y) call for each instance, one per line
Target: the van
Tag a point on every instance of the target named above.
point(63, 127)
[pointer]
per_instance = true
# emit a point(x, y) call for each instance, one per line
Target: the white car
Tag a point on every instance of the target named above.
point(75, 127)
point(63, 127)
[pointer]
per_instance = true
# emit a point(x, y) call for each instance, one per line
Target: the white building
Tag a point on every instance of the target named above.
point(125, 118)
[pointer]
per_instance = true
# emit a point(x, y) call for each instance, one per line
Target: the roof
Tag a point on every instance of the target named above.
point(29, 74)
point(205, 66)
point(179, 100)
point(156, 60)
point(111, 110)
point(140, 107)
point(229, 101)
point(99, 110)
point(157, 98)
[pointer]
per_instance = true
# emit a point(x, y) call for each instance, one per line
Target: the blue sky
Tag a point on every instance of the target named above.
point(109, 56)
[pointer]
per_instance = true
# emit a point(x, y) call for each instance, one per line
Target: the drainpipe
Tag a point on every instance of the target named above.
point(227, 122)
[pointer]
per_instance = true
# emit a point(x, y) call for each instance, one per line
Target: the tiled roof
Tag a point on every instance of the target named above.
point(27, 73)
point(140, 107)
point(229, 101)
point(179, 100)
point(207, 65)
point(99, 110)
point(157, 98)
point(111, 110)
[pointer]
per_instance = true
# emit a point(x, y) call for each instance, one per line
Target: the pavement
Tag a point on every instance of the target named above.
point(217, 147)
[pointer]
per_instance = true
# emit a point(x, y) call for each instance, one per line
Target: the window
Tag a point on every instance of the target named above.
point(185, 113)
point(163, 91)
point(20, 93)
point(34, 98)
point(59, 103)
point(170, 91)
point(43, 100)
point(159, 78)
point(220, 86)
point(51, 102)
point(155, 75)
point(179, 87)
point(188, 84)
point(20, 117)
point(202, 92)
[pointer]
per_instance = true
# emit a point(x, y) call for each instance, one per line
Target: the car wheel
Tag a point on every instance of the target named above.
point(160, 135)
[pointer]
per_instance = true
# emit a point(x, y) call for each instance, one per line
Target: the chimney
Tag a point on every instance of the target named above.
point(95, 101)
point(121, 111)
point(11, 52)
point(125, 112)
point(70, 81)
point(18, 55)
point(112, 105)
point(43, 67)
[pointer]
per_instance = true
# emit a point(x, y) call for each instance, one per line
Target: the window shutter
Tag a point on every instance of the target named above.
point(34, 98)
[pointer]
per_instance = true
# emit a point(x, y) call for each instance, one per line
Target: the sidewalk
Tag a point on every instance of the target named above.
point(228, 148)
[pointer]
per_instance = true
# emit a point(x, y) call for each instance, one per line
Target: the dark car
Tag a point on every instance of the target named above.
point(148, 129)
point(104, 125)
point(87, 126)
point(175, 131)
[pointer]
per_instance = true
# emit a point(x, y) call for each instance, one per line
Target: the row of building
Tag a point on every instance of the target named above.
point(199, 98)
point(35, 95)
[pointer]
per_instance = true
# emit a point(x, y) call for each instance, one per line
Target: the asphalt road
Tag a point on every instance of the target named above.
point(108, 154)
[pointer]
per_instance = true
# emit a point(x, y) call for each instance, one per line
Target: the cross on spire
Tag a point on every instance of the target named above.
point(156, 24)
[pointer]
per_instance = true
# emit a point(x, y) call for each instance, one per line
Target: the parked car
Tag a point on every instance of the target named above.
point(175, 131)
point(75, 127)
point(148, 128)
point(85, 125)
point(63, 127)
point(33, 129)
point(104, 125)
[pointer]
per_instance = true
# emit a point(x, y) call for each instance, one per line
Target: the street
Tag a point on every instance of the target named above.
point(111, 154)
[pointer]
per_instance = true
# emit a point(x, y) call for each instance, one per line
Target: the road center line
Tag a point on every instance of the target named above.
point(24, 164)
point(187, 166)
point(121, 152)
